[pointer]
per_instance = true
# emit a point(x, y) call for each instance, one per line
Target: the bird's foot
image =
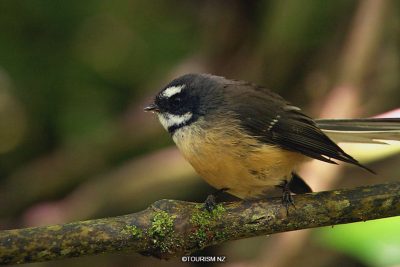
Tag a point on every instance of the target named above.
point(211, 201)
point(287, 198)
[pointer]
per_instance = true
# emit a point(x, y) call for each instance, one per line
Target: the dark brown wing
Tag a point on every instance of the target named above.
point(269, 118)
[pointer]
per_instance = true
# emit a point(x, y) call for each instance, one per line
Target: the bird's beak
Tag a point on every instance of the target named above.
point(152, 108)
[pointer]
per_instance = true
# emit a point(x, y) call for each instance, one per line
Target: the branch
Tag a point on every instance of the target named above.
point(169, 228)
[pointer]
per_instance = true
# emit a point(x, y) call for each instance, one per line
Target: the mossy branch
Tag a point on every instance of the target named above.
point(171, 228)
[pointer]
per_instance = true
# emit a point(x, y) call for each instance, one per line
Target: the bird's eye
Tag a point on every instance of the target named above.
point(176, 101)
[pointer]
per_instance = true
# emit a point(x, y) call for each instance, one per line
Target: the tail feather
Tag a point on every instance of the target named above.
point(372, 130)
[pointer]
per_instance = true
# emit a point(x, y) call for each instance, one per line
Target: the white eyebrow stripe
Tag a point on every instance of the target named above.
point(173, 90)
point(168, 120)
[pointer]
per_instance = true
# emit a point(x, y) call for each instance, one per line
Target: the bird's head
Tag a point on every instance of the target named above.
point(186, 99)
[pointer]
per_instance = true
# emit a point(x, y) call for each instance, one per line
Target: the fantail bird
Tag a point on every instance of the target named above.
point(246, 139)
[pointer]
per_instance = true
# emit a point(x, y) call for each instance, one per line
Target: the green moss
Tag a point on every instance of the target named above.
point(202, 220)
point(133, 230)
point(162, 233)
point(202, 216)
point(162, 224)
point(221, 235)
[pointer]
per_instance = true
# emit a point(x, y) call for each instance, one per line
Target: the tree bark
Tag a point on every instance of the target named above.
point(170, 228)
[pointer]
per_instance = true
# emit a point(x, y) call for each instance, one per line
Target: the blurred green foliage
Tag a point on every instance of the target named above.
point(376, 242)
point(75, 66)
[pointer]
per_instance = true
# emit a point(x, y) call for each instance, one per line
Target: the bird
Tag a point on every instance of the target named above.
point(246, 140)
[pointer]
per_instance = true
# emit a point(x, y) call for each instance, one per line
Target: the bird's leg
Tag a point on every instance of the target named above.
point(211, 201)
point(287, 198)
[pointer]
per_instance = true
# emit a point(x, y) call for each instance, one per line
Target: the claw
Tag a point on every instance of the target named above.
point(211, 201)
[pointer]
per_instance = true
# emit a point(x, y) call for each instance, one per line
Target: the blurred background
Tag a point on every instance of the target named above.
point(75, 143)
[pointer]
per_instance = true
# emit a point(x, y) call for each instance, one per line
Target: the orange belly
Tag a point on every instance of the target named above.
point(230, 159)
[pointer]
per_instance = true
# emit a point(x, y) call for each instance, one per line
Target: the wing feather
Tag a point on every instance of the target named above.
point(269, 118)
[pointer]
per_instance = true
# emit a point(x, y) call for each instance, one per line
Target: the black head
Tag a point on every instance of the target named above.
point(186, 99)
